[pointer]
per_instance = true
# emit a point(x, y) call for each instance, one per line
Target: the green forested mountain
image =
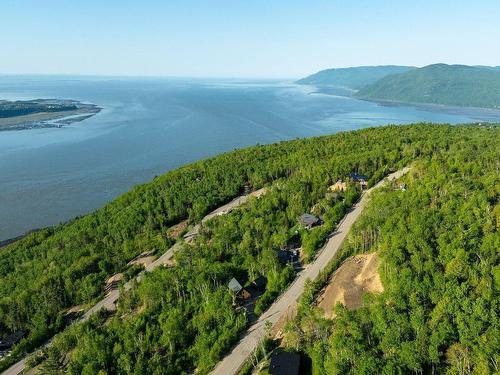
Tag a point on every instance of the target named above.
point(488, 67)
point(353, 78)
point(458, 85)
point(439, 243)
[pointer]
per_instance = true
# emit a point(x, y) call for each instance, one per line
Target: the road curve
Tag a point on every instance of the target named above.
point(109, 302)
point(256, 332)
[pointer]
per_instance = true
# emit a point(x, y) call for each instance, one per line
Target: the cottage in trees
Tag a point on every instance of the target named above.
point(362, 180)
point(284, 363)
point(8, 342)
point(240, 293)
point(260, 283)
point(287, 256)
point(308, 221)
point(338, 186)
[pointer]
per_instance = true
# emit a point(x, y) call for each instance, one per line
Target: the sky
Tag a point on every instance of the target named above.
point(241, 38)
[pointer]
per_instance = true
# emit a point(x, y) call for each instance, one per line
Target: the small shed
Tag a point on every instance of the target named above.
point(308, 220)
point(238, 290)
point(284, 363)
point(247, 188)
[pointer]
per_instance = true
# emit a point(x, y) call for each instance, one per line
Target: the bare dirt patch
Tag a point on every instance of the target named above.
point(144, 261)
point(177, 229)
point(356, 276)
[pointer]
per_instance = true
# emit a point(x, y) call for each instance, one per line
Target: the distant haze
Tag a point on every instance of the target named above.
point(234, 38)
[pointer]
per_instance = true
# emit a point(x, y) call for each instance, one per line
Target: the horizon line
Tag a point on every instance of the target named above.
point(252, 77)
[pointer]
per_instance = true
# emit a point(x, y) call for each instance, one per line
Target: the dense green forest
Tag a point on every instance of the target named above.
point(28, 107)
point(439, 244)
point(353, 78)
point(458, 85)
point(51, 270)
point(183, 318)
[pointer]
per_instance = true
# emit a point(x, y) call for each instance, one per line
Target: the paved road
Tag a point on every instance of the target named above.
point(233, 361)
point(109, 302)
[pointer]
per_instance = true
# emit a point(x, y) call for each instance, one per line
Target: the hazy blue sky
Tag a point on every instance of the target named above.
point(242, 38)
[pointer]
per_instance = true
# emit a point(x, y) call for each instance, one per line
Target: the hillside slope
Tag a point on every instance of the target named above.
point(183, 319)
point(353, 78)
point(457, 85)
point(438, 244)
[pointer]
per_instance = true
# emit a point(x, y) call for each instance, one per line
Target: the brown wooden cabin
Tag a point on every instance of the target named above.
point(240, 293)
point(308, 221)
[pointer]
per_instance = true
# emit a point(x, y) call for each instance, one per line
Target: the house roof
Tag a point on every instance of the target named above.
point(283, 254)
point(12, 339)
point(260, 282)
point(284, 363)
point(308, 219)
point(358, 177)
point(234, 285)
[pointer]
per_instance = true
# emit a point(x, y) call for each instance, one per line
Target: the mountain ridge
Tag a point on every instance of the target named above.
point(458, 85)
point(353, 77)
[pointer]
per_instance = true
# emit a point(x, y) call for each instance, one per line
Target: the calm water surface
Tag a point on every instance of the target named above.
point(148, 126)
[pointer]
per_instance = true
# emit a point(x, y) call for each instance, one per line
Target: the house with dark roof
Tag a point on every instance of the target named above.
point(359, 178)
point(247, 188)
point(308, 221)
point(284, 363)
point(8, 342)
point(260, 283)
point(238, 290)
point(287, 256)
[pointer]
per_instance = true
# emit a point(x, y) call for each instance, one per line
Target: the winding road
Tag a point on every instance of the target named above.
point(288, 299)
point(285, 303)
point(109, 302)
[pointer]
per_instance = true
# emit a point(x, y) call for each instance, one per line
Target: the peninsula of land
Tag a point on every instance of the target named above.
point(43, 113)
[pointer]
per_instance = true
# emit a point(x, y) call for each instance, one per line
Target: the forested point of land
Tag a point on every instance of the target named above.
point(28, 107)
point(183, 318)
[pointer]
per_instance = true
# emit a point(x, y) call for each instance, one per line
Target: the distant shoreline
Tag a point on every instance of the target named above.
point(43, 113)
point(9, 241)
point(434, 107)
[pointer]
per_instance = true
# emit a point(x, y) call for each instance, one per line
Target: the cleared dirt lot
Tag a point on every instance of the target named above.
point(356, 276)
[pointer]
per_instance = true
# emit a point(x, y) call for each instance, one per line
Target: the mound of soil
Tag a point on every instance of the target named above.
point(356, 276)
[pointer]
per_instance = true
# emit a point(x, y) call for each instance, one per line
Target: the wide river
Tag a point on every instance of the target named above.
point(149, 126)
